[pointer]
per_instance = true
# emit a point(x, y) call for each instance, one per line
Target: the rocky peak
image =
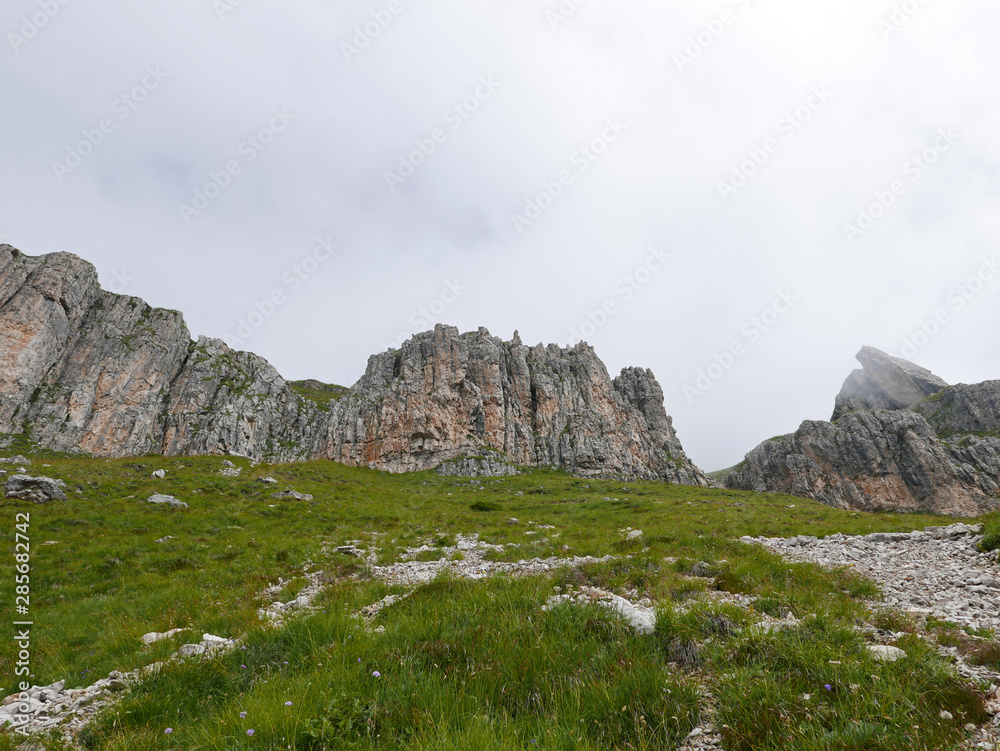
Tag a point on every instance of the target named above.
point(443, 394)
point(885, 382)
point(870, 461)
point(901, 439)
point(84, 369)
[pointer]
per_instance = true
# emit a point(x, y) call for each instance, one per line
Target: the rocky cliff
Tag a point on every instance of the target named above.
point(964, 409)
point(85, 369)
point(81, 368)
point(881, 453)
point(885, 382)
point(443, 395)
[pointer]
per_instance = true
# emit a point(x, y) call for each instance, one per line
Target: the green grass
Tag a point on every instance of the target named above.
point(463, 665)
point(320, 393)
point(991, 532)
point(720, 475)
point(815, 687)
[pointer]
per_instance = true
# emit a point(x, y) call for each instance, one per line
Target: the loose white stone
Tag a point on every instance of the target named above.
point(152, 637)
point(886, 653)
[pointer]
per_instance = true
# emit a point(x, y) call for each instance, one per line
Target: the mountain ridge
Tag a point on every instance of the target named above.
point(900, 438)
point(85, 369)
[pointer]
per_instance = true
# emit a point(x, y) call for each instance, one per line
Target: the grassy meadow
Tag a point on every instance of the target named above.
point(458, 665)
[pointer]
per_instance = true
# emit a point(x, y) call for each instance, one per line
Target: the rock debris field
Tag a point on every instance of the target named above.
point(937, 573)
point(472, 565)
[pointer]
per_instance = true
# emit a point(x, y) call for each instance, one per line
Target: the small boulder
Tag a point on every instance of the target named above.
point(191, 650)
point(885, 653)
point(642, 620)
point(34, 489)
point(635, 534)
point(19, 460)
point(703, 570)
point(285, 495)
point(46, 693)
point(152, 637)
point(159, 474)
point(167, 500)
point(268, 480)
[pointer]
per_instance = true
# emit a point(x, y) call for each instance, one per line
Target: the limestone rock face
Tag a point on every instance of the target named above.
point(870, 461)
point(478, 464)
point(885, 382)
point(964, 409)
point(445, 394)
point(901, 439)
point(82, 369)
point(223, 401)
point(86, 370)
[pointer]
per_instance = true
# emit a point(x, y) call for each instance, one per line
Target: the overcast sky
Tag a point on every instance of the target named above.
point(673, 181)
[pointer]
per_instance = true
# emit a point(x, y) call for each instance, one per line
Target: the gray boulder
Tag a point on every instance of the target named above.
point(291, 495)
point(166, 500)
point(34, 489)
point(18, 461)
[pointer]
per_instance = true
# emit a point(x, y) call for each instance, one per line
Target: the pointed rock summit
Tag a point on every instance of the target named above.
point(885, 382)
point(87, 370)
point(901, 439)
